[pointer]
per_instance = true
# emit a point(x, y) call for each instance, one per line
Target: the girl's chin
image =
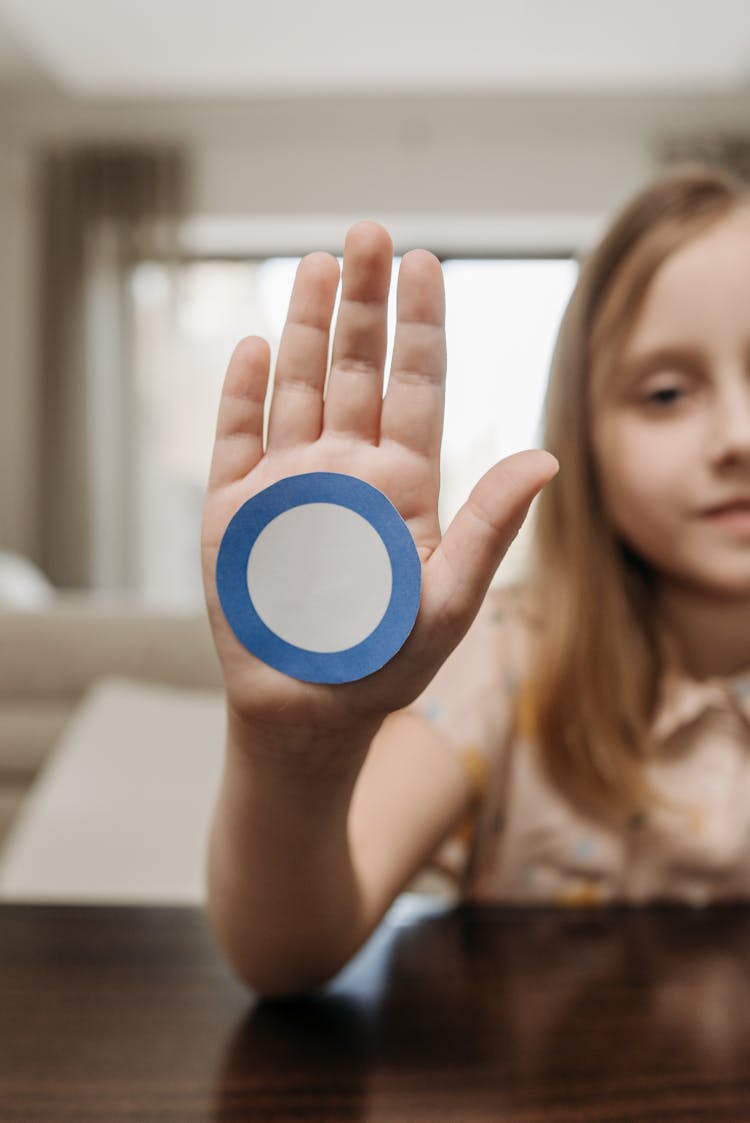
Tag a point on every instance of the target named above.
point(728, 585)
point(730, 589)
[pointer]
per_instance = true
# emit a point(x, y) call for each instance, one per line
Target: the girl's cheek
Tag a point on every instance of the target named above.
point(635, 471)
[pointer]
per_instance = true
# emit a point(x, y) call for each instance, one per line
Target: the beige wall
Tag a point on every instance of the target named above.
point(530, 156)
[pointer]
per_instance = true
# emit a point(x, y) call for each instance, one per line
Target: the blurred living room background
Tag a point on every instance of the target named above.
point(164, 166)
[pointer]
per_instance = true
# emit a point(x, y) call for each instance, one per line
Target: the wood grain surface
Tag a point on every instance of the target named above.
point(464, 1014)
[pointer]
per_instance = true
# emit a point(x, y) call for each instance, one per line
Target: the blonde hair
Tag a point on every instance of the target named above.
point(598, 650)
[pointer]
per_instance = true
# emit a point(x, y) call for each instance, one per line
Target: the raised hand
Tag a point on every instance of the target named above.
point(391, 441)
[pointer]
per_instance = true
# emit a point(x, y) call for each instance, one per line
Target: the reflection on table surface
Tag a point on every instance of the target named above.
point(456, 1014)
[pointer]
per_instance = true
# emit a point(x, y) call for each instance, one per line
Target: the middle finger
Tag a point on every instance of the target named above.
point(355, 384)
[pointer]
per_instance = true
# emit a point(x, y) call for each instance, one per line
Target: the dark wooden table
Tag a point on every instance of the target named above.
point(112, 1014)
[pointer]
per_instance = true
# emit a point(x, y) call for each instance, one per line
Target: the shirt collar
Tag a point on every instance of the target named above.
point(682, 700)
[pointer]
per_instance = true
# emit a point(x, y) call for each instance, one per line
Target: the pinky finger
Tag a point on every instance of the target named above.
point(239, 429)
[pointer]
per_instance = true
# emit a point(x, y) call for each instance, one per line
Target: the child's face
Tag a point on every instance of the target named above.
point(672, 431)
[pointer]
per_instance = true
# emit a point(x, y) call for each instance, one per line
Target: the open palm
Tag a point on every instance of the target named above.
point(392, 441)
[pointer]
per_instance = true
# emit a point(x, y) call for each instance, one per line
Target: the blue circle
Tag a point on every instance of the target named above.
point(253, 517)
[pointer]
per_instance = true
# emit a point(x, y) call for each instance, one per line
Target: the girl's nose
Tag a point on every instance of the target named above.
point(731, 430)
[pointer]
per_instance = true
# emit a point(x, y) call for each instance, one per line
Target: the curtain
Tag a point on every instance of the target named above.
point(103, 209)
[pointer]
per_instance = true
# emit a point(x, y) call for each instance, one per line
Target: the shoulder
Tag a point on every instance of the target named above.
point(500, 638)
point(474, 694)
point(511, 607)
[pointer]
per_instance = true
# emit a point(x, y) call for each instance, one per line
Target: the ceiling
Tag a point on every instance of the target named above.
point(172, 48)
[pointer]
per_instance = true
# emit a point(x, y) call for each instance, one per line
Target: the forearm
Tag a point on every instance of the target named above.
point(283, 893)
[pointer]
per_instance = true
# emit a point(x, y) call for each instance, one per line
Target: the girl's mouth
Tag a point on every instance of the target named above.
point(733, 517)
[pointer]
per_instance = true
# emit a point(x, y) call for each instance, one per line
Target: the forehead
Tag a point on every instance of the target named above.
point(701, 294)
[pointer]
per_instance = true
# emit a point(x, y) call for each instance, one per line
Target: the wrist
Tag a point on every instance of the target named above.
point(305, 748)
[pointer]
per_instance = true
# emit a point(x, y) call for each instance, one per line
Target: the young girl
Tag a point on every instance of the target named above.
point(589, 739)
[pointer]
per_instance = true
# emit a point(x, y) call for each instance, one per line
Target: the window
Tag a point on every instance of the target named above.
point(502, 318)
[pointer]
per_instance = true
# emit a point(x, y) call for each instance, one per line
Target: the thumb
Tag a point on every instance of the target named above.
point(476, 541)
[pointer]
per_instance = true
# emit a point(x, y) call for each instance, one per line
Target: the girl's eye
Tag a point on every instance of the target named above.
point(664, 395)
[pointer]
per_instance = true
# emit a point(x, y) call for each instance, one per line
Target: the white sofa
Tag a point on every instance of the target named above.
point(111, 743)
point(77, 667)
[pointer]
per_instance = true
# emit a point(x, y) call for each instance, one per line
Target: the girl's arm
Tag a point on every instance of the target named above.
point(312, 837)
point(304, 862)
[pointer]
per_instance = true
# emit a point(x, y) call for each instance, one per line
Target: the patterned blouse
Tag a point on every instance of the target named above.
point(526, 844)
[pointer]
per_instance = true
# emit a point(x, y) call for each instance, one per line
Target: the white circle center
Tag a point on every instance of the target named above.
point(320, 577)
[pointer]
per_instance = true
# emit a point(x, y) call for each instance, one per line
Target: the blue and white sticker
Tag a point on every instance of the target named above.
point(318, 576)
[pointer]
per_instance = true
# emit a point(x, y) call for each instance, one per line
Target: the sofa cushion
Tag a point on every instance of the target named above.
point(58, 652)
point(121, 810)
